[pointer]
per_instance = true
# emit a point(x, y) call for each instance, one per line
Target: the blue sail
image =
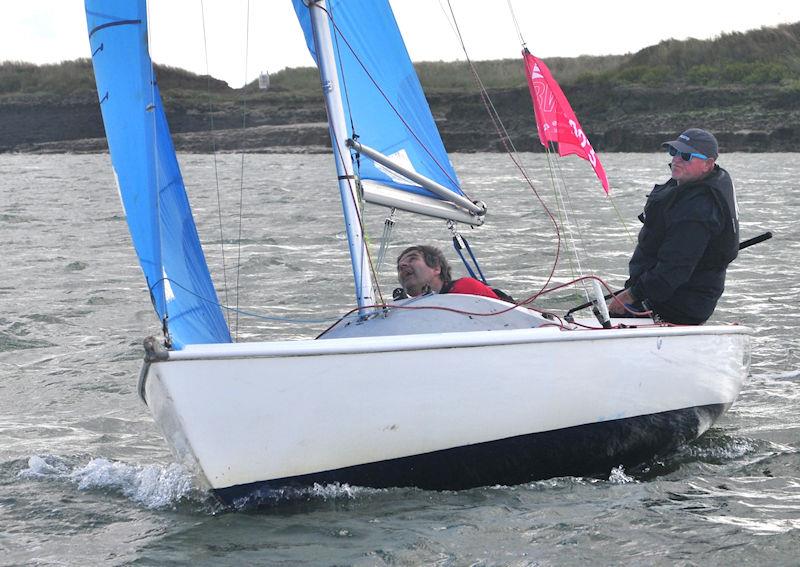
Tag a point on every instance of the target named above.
point(147, 173)
point(383, 99)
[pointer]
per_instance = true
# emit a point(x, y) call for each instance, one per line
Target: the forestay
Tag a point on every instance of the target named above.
point(148, 176)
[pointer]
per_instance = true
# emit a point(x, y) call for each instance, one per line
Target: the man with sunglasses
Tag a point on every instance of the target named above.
point(690, 235)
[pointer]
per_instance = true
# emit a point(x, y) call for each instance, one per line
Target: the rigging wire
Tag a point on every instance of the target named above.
point(516, 24)
point(621, 219)
point(561, 212)
point(394, 108)
point(610, 197)
point(563, 204)
point(356, 194)
point(571, 207)
point(344, 82)
point(359, 218)
point(512, 306)
point(353, 192)
point(386, 237)
point(241, 174)
point(214, 154)
point(508, 144)
point(558, 183)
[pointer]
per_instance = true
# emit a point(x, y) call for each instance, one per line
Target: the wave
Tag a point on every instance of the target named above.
point(153, 486)
point(320, 493)
point(790, 375)
point(168, 486)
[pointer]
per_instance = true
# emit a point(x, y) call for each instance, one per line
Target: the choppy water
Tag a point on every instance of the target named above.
point(85, 477)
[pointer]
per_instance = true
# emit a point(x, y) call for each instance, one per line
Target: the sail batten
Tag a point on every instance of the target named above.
point(148, 177)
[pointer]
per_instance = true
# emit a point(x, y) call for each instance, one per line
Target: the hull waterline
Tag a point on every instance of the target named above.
point(585, 450)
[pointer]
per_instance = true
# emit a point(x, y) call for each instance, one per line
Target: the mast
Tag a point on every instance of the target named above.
point(344, 165)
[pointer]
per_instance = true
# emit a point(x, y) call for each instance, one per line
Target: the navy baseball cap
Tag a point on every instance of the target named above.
point(695, 140)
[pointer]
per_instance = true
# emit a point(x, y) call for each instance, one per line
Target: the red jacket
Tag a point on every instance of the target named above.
point(468, 286)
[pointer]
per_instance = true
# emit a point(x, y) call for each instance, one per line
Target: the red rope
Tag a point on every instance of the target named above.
point(523, 303)
point(505, 139)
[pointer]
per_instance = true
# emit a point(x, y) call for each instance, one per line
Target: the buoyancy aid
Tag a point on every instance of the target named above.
point(697, 297)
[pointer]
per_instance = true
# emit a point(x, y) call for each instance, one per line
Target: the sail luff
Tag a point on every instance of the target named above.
point(136, 132)
point(344, 166)
point(147, 173)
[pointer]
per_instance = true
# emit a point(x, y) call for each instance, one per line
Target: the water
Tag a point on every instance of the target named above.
point(85, 477)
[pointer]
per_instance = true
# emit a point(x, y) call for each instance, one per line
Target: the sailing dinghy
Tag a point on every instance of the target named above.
point(471, 390)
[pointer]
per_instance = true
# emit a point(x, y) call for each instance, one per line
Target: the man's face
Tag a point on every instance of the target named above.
point(414, 274)
point(687, 171)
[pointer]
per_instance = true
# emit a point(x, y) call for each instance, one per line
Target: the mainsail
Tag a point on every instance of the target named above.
point(147, 173)
point(555, 119)
point(386, 108)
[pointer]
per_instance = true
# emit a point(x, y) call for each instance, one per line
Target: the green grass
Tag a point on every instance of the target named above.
point(769, 55)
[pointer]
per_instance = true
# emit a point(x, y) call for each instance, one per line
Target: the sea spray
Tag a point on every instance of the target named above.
point(618, 476)
point(154, 486)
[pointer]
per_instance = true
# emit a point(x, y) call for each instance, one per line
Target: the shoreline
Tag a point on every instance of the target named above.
point(200, 143)
point(616, 119)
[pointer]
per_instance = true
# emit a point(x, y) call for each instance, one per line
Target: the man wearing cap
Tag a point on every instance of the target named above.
point(690, 235)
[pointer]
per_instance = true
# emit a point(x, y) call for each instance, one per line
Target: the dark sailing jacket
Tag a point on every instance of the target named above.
point(690, 235)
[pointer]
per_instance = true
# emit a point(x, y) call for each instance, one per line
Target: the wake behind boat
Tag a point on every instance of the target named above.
point(441, 391)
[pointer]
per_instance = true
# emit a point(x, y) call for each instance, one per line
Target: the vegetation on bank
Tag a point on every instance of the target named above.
point(769, 55)
point(65, 78)
point(76, 77)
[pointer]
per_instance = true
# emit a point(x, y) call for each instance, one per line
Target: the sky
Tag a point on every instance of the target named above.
point(50, 31)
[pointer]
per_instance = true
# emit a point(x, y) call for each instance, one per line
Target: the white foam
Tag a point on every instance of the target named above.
point(48, 466)
point(729, 448)
point(336, 490)
point(618, 476)
point(154, 486)
point(325, 492)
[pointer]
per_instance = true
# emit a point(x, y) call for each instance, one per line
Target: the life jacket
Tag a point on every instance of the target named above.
point(693, 301)
point(400, 293)
point(722, 249)
point(498, 293)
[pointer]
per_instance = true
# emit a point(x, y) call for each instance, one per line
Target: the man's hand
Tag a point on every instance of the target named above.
point(617, 305)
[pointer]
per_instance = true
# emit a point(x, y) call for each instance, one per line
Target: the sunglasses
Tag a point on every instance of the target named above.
point(686, 156)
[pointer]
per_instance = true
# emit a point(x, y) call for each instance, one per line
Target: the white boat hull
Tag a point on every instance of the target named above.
point(443, 410)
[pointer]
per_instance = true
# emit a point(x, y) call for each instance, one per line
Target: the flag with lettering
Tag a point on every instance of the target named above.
point(555, 119)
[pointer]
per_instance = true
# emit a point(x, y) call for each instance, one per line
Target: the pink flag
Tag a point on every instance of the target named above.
point(555, 118)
